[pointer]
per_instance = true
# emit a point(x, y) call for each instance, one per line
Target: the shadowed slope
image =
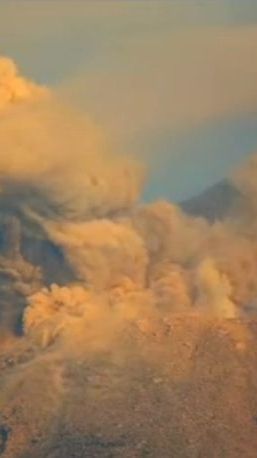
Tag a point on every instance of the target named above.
point(214, 203)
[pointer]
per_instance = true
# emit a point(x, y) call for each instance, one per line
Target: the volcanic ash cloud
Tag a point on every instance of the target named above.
point(130, 261)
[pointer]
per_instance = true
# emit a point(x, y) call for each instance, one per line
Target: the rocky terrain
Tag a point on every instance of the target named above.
point(183, 389)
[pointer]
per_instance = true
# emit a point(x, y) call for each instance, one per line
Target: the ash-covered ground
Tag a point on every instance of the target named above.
point(181, 389)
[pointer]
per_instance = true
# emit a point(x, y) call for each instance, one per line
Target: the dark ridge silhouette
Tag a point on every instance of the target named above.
point(214, 203)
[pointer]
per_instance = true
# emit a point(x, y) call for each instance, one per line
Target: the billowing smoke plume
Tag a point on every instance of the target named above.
point(53, 155)
point(131, 263)
point(14, 88)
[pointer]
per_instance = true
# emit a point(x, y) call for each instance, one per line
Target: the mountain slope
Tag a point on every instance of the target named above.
point(187, 391)
point(213, 203)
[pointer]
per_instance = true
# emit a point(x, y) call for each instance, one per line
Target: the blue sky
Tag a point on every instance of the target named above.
point(173, 81)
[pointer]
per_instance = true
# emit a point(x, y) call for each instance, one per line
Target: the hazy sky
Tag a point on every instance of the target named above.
point(174, 81)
